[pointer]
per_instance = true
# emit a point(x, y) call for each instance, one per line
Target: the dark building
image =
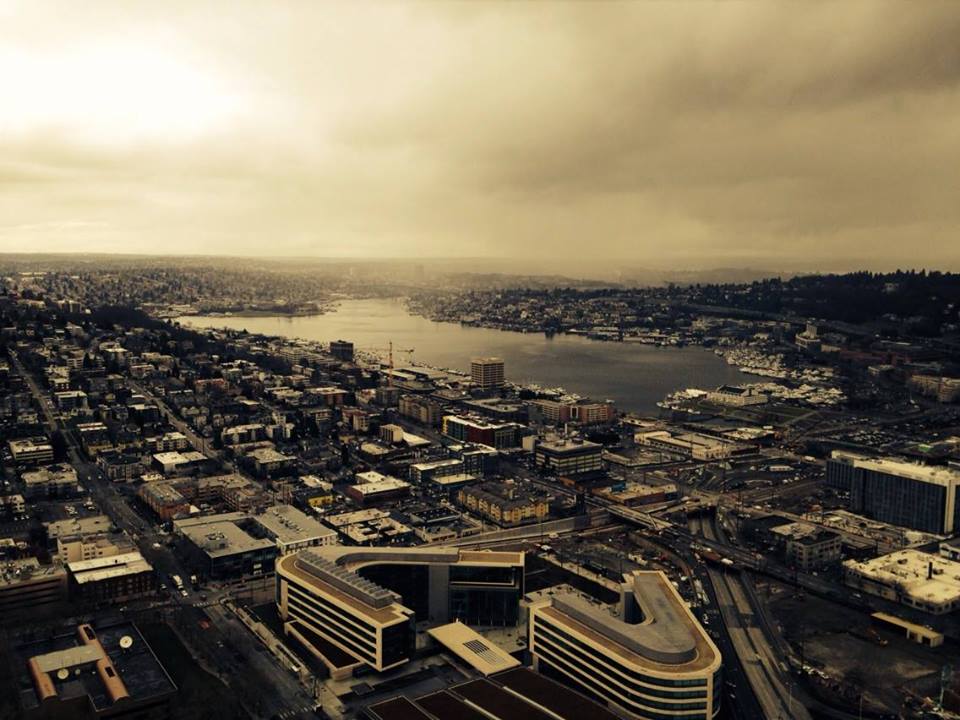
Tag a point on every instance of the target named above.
point(840, 470)
point(915, 496)
point(342, 350)
point(107, 672)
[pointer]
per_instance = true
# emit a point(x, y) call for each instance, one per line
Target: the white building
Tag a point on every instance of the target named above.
point(920, 580)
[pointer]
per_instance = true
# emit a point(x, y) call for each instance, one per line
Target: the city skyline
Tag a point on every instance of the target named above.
point(735, 136)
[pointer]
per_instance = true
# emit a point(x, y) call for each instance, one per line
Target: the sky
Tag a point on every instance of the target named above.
point(683, 134)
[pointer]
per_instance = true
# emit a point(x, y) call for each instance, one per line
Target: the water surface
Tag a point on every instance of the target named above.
point(635, 376)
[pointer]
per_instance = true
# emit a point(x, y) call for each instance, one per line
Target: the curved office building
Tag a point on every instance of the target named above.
point(649, 657)
point(359, 606)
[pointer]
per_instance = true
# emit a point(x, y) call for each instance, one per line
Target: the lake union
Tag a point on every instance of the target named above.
point(635, 376)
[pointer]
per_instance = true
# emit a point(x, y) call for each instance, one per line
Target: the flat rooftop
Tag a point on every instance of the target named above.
point(79, 527)
point(474, 649)
point(921, 575)
point(221, 537)
point(936, 475)
point(564, 447)
point(13, 572)
point(382, 486)
point(68, 663)
point(290, 525)
point(313, 574)
point(103, 568)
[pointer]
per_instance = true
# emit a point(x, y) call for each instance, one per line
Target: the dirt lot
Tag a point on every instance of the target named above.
point(856, 655)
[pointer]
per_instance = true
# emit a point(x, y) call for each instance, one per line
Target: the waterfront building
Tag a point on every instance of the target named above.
point(342, 350)
point(487, 373)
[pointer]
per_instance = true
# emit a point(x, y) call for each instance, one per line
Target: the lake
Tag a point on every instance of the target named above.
point(635, 376)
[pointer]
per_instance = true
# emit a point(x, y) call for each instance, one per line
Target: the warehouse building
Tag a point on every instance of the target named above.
point(926, 582)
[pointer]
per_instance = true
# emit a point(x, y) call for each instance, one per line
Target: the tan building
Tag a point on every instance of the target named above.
point(487, 372)
point(336, 600)
point(504, 504)
point(421, 410)
point(649, 659)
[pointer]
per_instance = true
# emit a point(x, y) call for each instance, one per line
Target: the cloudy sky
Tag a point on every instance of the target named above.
point(656, 133)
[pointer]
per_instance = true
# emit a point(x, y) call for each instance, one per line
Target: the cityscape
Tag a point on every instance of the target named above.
point(479, 361)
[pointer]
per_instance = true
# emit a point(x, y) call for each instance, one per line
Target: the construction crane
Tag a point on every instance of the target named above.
point(389, 351)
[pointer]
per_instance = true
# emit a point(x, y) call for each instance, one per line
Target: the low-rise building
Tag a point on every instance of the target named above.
point(421, 410)
point(268, 461)
point(28, 588)
point(422, 473)
point(120, 467)
point(694, 445)
point(50, 481)
point(500, 436)
point(507, 505)
point(163, 499)
point(923, 581)
point(807, 546)
point(370, 526)
point(171, 463)
point(229, 545)
point(170, 441)
point(82, 538)
point(31, 451)
point(12, 505)
point(733, 396)
point(115, 578)
point(377, 491)
point(292, 530)
point(107, 672)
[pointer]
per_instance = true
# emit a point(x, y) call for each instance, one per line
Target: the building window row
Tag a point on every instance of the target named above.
point(634, 680)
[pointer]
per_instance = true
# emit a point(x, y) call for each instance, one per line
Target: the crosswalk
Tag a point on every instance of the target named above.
point(295, 712)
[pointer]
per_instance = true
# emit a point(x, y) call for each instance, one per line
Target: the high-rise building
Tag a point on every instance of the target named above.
point(649, 659)
point(487, 373)
point(893, 491)
point(342, 350)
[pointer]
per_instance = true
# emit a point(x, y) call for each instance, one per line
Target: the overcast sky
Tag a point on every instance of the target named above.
point(693, 133)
